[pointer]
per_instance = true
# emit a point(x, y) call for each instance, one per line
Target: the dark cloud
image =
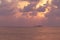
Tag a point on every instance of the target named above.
point(56, 2)
point(6, 8)
point(53, 18)
point(5, 12)
point(28, 8)
point(41, 9)
point(54, 15)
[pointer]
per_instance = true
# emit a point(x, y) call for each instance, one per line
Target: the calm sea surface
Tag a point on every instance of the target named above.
point(29, 33)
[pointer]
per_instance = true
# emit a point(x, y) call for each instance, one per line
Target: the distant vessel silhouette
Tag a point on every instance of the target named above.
point(38, 26)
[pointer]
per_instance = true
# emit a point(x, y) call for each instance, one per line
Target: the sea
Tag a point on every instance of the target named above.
point(29, 33)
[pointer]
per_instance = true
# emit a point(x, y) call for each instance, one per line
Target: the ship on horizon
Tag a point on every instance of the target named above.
point(38, 26)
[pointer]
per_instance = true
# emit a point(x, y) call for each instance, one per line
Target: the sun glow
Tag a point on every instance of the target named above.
point(0, 2)
point(40, 14)
point(9, 1)
point(17, 15)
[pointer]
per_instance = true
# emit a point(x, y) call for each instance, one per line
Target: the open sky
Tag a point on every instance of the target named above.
point(29, 12)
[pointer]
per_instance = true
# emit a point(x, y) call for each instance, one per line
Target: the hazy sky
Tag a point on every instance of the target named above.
point(29, 12)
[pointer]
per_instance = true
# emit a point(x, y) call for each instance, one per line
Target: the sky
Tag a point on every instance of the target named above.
point(29, 12)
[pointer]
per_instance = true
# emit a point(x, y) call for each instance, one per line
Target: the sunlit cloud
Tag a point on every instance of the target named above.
point(41, 8)
point(41, 3)
point(29, 12)
point(22, 4)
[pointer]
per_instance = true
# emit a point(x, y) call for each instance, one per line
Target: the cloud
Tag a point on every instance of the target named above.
point(56, 2)
point(53, 18)
point(10, 15)
point(7, 9)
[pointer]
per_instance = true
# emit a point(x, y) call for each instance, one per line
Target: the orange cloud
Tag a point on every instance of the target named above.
point(41, 3)
point(22, 4)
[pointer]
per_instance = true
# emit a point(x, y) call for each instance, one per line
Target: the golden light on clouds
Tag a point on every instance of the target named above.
point(40, 14)
point(49, 2)
point(22, 4)
point(41, 3)
point(47, 9)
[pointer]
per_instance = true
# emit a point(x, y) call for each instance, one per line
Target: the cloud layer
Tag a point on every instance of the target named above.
point(12, 15)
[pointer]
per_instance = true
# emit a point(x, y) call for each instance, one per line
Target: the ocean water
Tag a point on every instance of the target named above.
point(29, 33)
